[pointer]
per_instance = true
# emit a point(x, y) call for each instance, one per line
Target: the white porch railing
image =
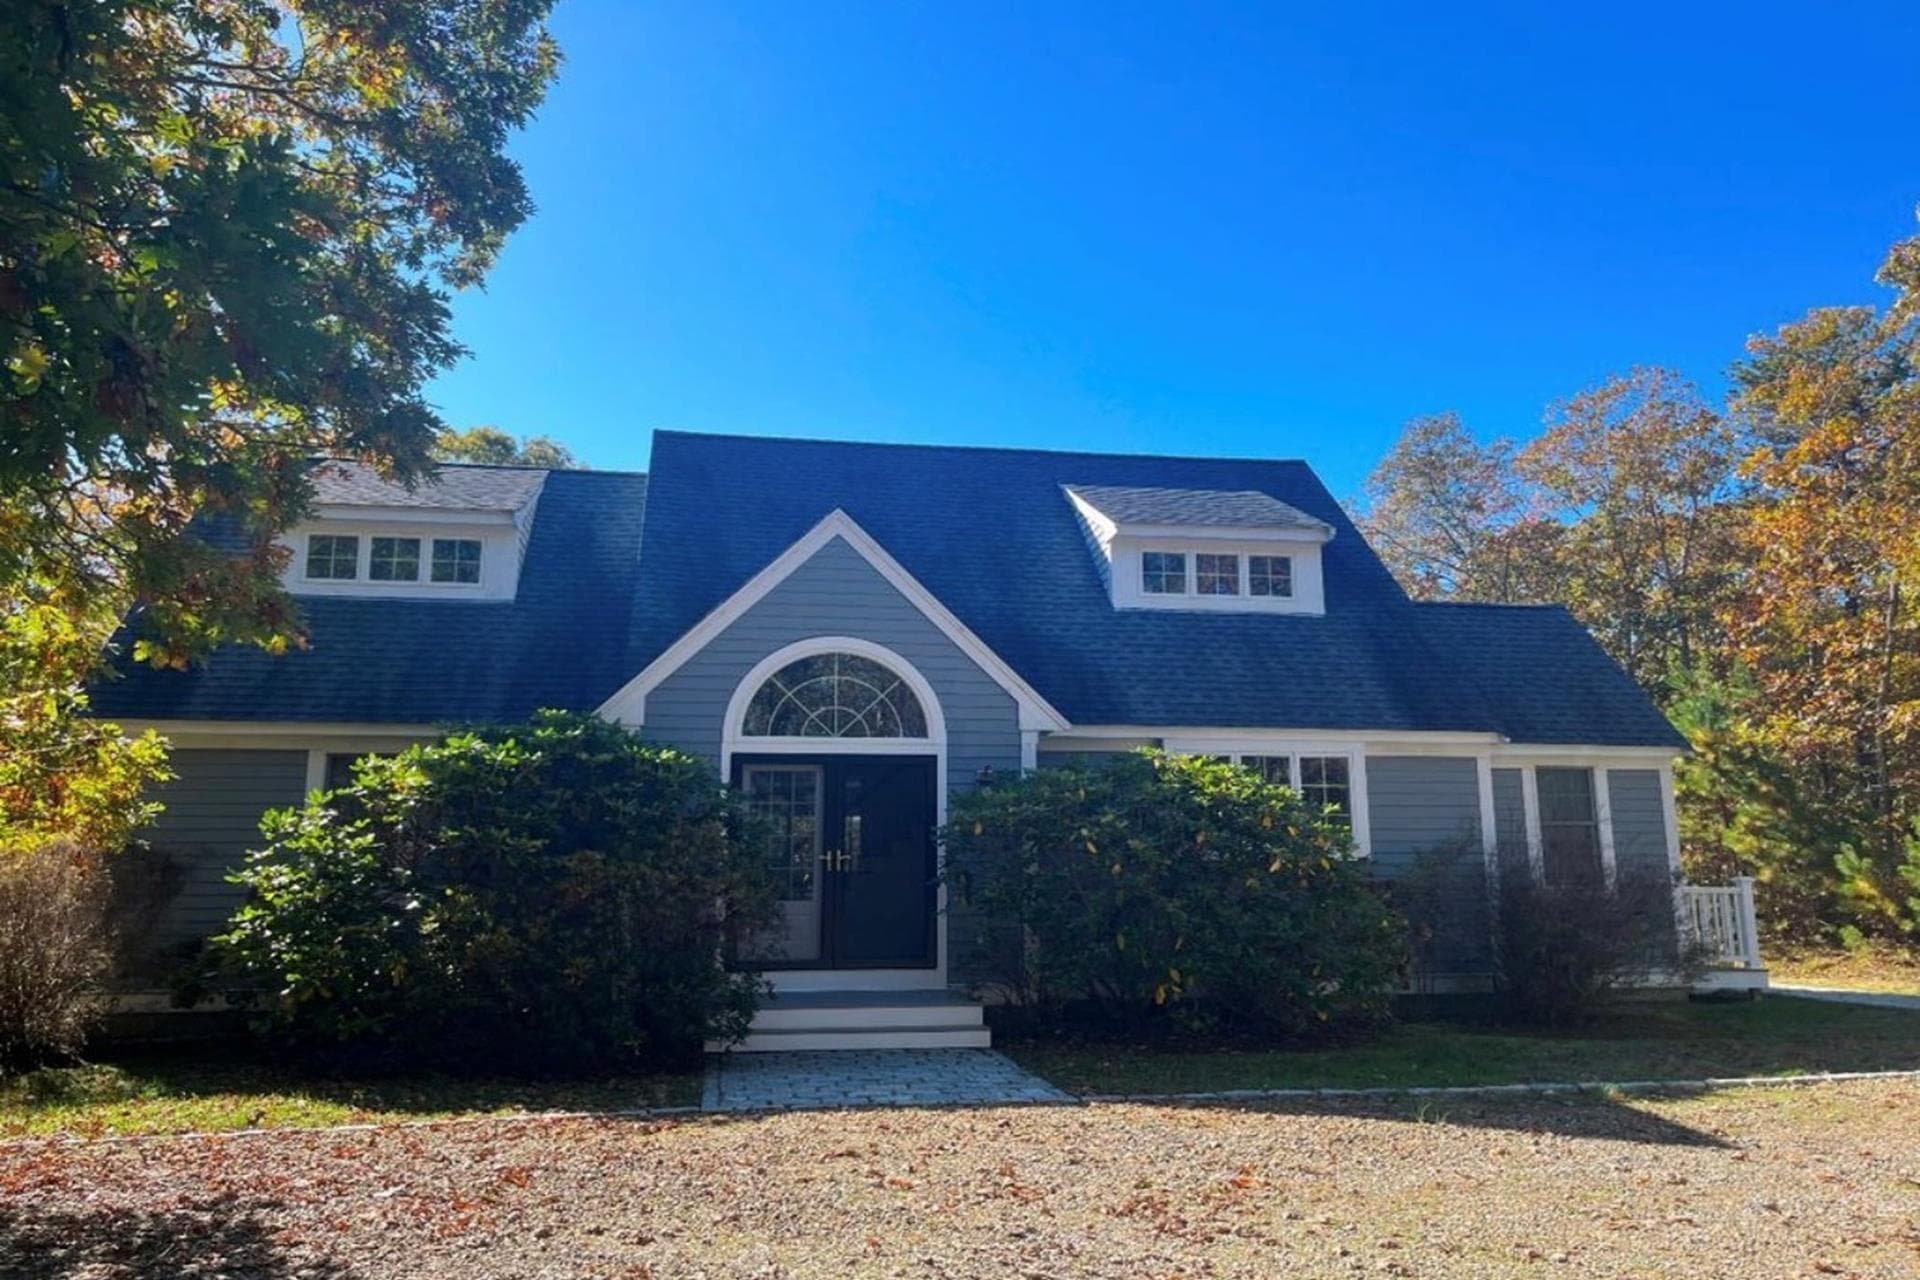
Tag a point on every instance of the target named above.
point(1721, 917)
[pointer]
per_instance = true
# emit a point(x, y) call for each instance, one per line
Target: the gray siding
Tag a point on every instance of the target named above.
point(1510, 822)
point(1430, 805)
point(211, 820)
point(1639, 822)
point(837, 592)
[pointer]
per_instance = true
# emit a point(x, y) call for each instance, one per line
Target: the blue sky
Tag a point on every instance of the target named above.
point(1209, 228)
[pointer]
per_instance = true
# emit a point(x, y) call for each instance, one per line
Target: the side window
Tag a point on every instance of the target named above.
point(456, 560)
point(1270, 575)
point(1163, 573)
point(1275, 769)
point(1326, 783)
point(1569, 827)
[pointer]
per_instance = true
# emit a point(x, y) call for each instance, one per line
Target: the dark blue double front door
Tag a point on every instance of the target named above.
point(850, 842)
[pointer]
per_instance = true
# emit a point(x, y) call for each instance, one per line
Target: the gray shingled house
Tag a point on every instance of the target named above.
point(853, 632)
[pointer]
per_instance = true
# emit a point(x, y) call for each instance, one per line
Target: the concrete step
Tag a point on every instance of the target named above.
point(864, 1038)
point(827, 1020)
point(827, 1011)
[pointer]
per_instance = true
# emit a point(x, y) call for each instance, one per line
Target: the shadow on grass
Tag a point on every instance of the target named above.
point(198, 1242)
point(1589, 1116)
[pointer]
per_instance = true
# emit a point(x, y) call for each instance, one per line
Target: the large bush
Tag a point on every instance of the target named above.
point(553, 895)
point(56, 950)
point(1174, 890)
point(1565, 951)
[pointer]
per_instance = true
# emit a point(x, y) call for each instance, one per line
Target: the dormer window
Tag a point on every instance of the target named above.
point(460, 534)
point(1216, 575)
point(1204, 550)
point(394, 560)
point(332, 556)
point(1270, 575)
point(456, 560)
point(1163, 573)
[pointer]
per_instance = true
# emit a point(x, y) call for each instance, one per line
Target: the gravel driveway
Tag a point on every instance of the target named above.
point(1823, 1180)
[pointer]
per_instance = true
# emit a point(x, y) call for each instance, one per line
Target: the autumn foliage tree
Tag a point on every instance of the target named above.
point(227, 228)
point(1754, 568)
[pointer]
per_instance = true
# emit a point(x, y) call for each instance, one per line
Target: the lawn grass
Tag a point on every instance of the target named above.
point(1871, 968)
point(179, 1094)
point(1668, 1040)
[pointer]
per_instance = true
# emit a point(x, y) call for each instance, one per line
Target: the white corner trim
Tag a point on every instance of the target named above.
point(1489, 836)
point(1603, 816)
point(628, 704)
point(1530, 802)
point(1670, 817)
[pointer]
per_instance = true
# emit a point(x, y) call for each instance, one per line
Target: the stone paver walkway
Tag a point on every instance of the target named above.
point(870, 1078)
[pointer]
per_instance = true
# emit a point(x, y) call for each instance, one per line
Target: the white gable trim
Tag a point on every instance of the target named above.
point(629, 705)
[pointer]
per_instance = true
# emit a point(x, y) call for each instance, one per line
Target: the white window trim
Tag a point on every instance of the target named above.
point(1602, 808)
point(363, 563)
point(733, 742)
point(1191, 577)
point(1353, 753)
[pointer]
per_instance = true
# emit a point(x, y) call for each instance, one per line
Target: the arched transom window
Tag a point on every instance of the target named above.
point(834, 695)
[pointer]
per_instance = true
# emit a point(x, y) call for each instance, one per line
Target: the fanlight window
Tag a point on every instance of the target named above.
point(834, 695)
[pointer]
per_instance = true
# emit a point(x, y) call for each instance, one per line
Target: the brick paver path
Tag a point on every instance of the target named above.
point(869, 1078)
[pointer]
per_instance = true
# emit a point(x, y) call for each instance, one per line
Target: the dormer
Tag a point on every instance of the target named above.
point(1220, 551)
point(460, 534)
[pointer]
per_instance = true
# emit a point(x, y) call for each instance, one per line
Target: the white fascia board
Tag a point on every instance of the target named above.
point(628, 704)
point(284, 735)
point(1263, 733)
point(1315, 536)
point(1435, 741)
point(348, 513)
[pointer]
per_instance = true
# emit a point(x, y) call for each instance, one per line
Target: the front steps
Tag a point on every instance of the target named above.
point(830, 1020)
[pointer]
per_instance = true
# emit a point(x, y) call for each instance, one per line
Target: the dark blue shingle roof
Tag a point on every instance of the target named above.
point(989, 532)
point(1545, 676)
point(561, 642)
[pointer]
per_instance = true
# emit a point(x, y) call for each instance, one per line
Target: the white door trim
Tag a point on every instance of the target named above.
point(734, 742)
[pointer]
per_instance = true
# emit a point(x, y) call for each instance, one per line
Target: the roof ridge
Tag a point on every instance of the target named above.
point(496, 466)
point(968, 448)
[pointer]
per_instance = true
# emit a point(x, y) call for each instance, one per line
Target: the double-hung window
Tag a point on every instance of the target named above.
point(1570, 852)
point(1324, 782)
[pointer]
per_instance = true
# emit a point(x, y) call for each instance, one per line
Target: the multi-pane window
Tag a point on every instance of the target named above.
point(333, 555)
point(394, 560)
point(456, 560)
point(1569, 826)
point(1216, 575)
point(1163, 573)
point(1270, 575)
point(1275, 769)
point(834, 695)
point(1326, 783)
point(784, 804)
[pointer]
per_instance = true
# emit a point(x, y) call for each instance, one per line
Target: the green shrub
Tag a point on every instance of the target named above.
point(56, 950)
point(1174, 890)
point(1564, 951)
point(552, 896)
